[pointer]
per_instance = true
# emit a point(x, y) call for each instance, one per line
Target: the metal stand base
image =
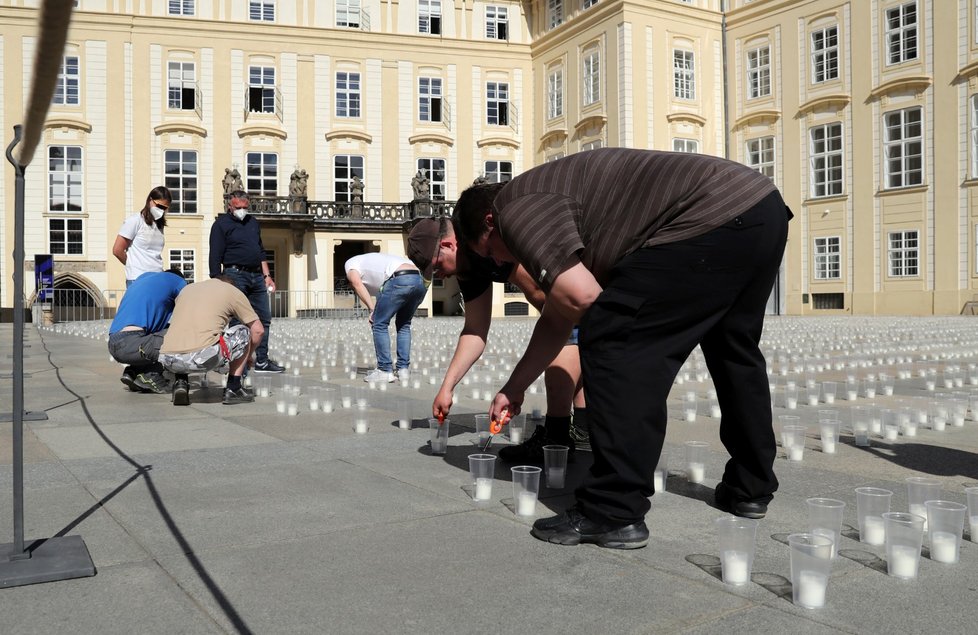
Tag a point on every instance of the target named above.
point(55, 559)
point(29, 415)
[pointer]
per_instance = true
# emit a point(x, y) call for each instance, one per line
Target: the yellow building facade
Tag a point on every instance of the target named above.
point(863, 112)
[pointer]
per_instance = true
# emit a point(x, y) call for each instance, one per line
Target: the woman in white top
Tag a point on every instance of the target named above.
point(139, 245)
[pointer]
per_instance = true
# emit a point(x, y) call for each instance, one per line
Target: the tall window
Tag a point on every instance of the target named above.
point(555, 93)
point(592, 77)
point(974, 136)
point(434, 169)
point(903, 253)
point(591, 145)
point(901, 33)
point(497, 103)
point(180, 7)
point(429, 98)
point(497, 23)
point(345, 167)
point(183, 259)
point(825, 54)
point(828, 258)
point(555, 13)
point(758, 73)
point(261, 88)
point(760, 155)
point(902, 148)
point(347, 94)
point(263, 10)
point(66, 90)
point(499, 171)
point(66, 236)
point(685, 145)
point(262, 173)
point(180, 170)
point(826, 159)
point(348, 13)
point(181, 86)
point(683, 74)
point(429, 16)
point(64, 179)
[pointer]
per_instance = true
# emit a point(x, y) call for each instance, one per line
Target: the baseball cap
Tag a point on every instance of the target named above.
point(422, 243)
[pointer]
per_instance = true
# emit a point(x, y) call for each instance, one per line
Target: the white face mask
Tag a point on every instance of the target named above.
point(156, 212)
point(239, 213)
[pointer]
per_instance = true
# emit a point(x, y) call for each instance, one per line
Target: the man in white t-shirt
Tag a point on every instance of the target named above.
point(391, 287)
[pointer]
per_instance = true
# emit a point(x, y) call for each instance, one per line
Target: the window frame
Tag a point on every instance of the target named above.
point(355, 166)
point(67, 89)
point(591, 76)
point(267, 89)
point(686, 145)
point(177, 88)
point(828, 155)
point(429, 17)
point(344, 10)
point(899, 264)
point(67, 183)
point(181, 183)
point(181, 262)
point(432, 96)
point(684, 74)
point(555, 92)
point(824, 55)
point(497, 103)
point(555, 14)
point(496, 171)
point(497, 16)
point(827, 263)
point(436, 169)
point(905, 36)
point(757, 157)
point(759, 72)
point(348, 94)
point(905, 146)
point(974, 134)
point(67, 230)
point(261, 10)
point(180, 8)
point(266, 174)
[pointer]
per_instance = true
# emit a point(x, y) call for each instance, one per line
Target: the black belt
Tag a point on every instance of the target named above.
point(244, 268)
point(405, 272)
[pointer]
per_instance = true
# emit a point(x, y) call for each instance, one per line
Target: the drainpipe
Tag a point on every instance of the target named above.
point(726, 98)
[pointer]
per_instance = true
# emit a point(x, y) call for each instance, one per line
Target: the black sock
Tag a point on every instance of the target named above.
point(234, 382)
point(557, 427)
point(580, 418)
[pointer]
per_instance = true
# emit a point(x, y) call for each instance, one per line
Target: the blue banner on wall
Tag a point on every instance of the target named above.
point(44, 277)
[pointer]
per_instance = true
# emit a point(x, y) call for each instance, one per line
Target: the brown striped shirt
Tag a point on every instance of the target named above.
point(604, 204)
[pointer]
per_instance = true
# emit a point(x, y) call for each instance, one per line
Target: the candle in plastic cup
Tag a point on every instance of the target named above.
point(715, 411)
point(904, 536)
point(891, 432)
point(556, 476)
point(516, 426)
point(526, 485)
point(516, 436)
point(830, 436)
point(873, 531)
point(736, 541)
point(659, 480)
point(439, 435)
point(555, 465)
point(483, 489)
point(921, 489)
point(360, 426)
point(810, 567)
point(972, 493)
point(481, 468)
point(943, 547)
point(696, 461)
point(945, 520)
point(871, 504)
point(825, 519)
point(526, 504)
point(482, 429)
point(733, 566)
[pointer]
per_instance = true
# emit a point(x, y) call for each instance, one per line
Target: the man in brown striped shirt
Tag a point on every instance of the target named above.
point(651, 253)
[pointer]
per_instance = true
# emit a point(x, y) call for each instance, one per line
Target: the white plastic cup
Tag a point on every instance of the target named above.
point(945, 521)
point(482, 429)
point(793, 441)
point(526, 488)
point(481, 469)
point(439, 436)
point(871, 504)
point(830, 435)
point(327, 400)
point(811, 564)
point(660, 476)
point(555, 465)
point(972, 493)
point(825, 519)
point(904, 536)
point(921, 489)
point(736, 541)
point(517, 428)
point(696, 461)
point(404, 415)
point(360, 425)
point(828, 391)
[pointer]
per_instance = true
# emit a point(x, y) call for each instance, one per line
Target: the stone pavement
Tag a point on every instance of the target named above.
point(215, 519)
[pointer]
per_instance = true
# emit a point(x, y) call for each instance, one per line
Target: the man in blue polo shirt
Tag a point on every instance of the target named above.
point(136, 333)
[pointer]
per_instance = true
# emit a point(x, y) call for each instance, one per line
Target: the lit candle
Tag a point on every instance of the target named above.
point(903, 561)
point(873, 531)
point(958, 421)
point(929, 385)
point(280, 406)
point(974, 528)
point(327, 406)
point(829, 398)
point(690, 415)
point(313, 404)
point(943, 547)
point(515, 435)
point(695, 472)
point(346, 402)
point(360, 426)
point(404, 424)
point(715, 411)
point(812, 400)
point(791, 403)
point(890, 433)
point(555, 477)
point(875, 426)
point(733, 564)
point(483, 489)
point(796, 452)
point(851, 395)
point(870, 393)
point(811, 589)
point(293, 409)
point(828, 445)
point(888, 391)
point(526, 503)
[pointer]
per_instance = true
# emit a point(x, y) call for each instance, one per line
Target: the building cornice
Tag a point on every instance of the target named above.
point(554, 135)
point(688, 117)
point(915, 83)
point(68, 123)
point(261, 130)
point(498, 141)
point(766, 115)
point(836, 101)
point(180, 126)
point(349, 133)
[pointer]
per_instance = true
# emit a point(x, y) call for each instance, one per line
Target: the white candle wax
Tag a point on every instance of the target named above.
point(875, 426)
point(293, 409)
point(891, 433)
point(515, 435)
point(831, 534)
point(870, 393)
point(929, 385)
point(313, 404)
point(327, 406)
point(360, 427)
point(791, 403)
point(829, 398)
point(555, 477)
point(263, 392)
point(939, 424)
point(324, 376)
point(888, 391)
point(659, 481)
point(903, 561)
point(943, 547)
point(361, 404)
point(958, 421)
point(280, 407)
point(796, 452)
point(526, 504)
point(851, 395)
point(812, 400)
point(922, 417)
point(246, 381)
point(476, 394)
point(353, 374)
point(347, 402)
point(974, 528)
point(690, 416)
point(715, 412)
point(404, 424)
point(811, 589)
point(734, 566)
point(432, 379)
point(874, 531)
point(828, 446)
point(483, 489)
point(416, 384)
point(695, 472)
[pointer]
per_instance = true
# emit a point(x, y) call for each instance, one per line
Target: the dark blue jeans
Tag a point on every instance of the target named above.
point(398, 299)
point(253, 286)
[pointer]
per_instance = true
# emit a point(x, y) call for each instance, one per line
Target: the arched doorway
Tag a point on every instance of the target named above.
point(75, 298)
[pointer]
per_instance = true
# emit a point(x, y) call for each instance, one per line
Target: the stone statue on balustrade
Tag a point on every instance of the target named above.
point(421, 193)
point(298, 190)
point(480, 180)
point(356, 196)
point(231, 181)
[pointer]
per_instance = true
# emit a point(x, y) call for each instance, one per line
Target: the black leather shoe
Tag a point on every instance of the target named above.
point(181, 392)
point(232, 397)
point(724, 499)
point(572, 528)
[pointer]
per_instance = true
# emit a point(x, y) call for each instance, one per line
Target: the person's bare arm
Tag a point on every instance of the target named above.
point(522, 279)
point(358, 287)
point(120, 247)
point(470, 346)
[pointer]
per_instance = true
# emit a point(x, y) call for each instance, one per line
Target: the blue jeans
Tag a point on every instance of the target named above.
point(399, 299)
point(253, 286)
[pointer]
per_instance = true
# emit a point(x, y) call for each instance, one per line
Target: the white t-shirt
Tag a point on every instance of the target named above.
point(146, 251)
point(375, 268)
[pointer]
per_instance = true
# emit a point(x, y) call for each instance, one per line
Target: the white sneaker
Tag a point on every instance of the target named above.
point(403, 375)
point(377, 375)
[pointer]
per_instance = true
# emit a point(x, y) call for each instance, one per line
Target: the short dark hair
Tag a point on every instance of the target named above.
point(177, 271)
point(470, 210)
